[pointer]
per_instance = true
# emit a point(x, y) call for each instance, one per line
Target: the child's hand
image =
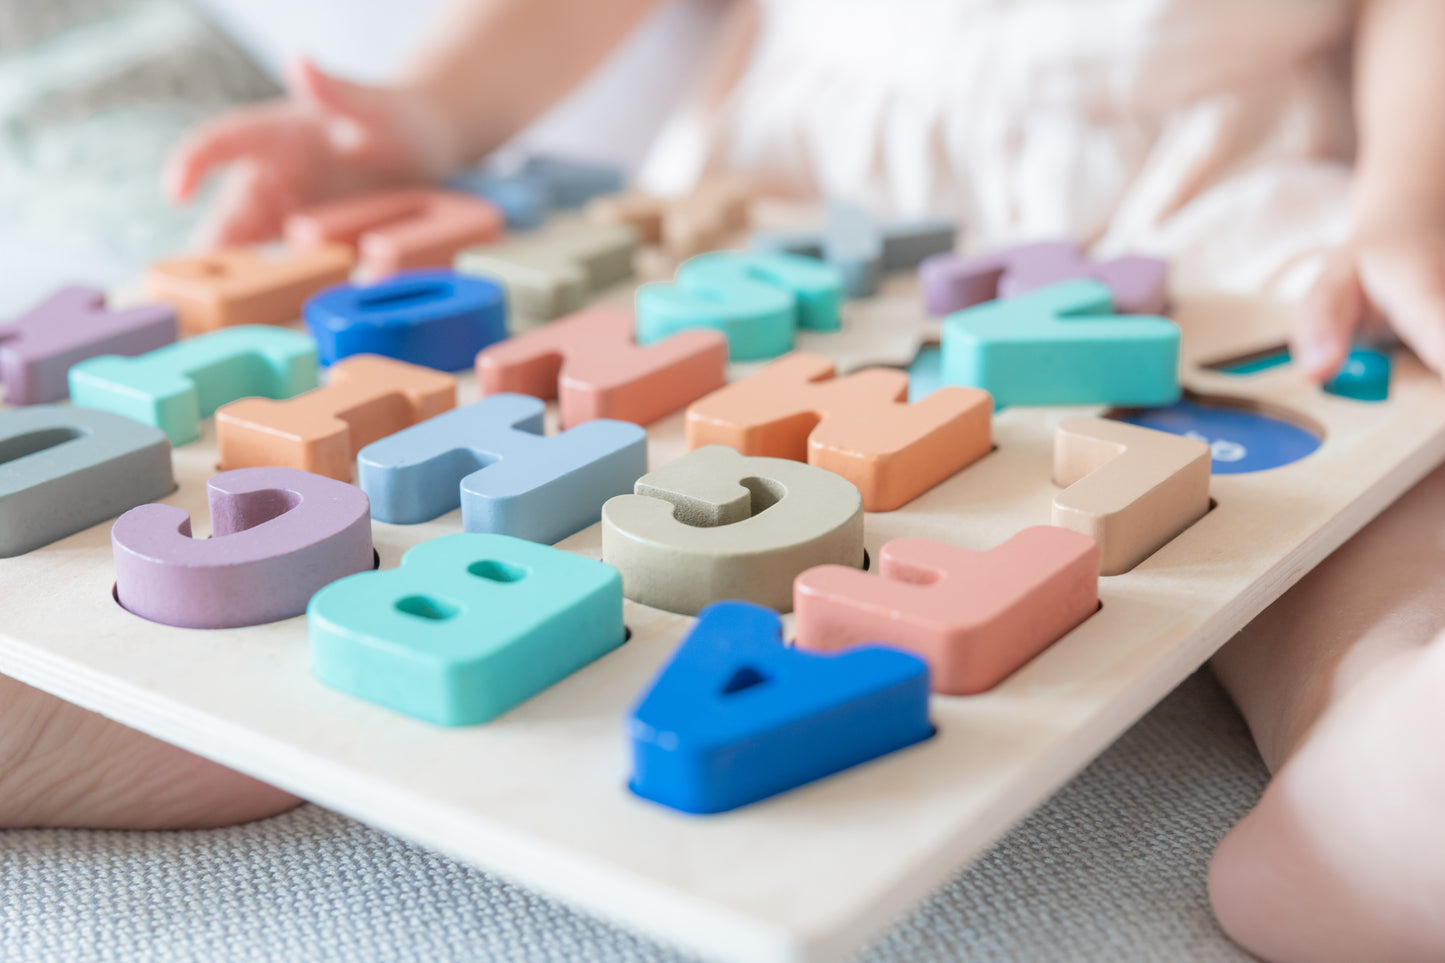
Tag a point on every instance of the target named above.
point(1393, 277)
point(329, 138)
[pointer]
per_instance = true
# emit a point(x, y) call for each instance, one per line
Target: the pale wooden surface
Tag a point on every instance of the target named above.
point(539, 796)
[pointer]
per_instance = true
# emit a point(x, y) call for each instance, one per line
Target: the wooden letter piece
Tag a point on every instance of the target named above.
point(683, 226)
point(1132, 489)
point(547, 277)
point(591, 365)
point(321, 431)
point(411, 227)
point(975, 617)
point(242, 286)
point(278, 536)
point(1063, 345)
point(493, 458)
point(952, 282)
point(63, 469)
point(174, 387)
point(468, 627)
point(717, 525)
point(861, 426)
point(38, 349)
point(736, 716)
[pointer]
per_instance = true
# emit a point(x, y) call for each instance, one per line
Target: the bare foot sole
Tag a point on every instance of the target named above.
point(63, 766)
point(1343, 859)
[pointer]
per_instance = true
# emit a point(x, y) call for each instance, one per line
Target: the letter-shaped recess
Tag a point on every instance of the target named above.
point(468, 627)
point(493, 458)
point(174, 387)
point(549, 276)
point(245, 286)
point(437, 319)
point(63, 469)
point(1062, 345)
point(861, 427)
point(684, 226)
point(591, 365)
point(952, 282)
point(38, 349)
point(278, 536)
point(1132, 489)
point(976, 617)
point(366, 399)
point(543, 184)
point(736, 716)
point(757, 300)
point(717, 525)
point(862, 248)
point(413, 227)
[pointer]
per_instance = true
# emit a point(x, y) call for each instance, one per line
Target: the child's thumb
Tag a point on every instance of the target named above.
point(312, 85)
point(1327, 321)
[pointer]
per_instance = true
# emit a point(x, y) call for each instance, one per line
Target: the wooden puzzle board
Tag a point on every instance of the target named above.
point(540, 797)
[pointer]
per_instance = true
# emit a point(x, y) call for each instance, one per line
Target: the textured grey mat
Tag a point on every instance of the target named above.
point(91, 94)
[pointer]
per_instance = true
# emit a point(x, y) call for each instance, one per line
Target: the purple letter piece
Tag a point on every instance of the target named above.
point(952, 282)
point(279, 536)
point(72, 325)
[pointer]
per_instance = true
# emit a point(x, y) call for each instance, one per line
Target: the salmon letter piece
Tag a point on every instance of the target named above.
point(241, 286)
point(974, 617)
point(861, 426)
point(590, 363)
point(1130, 488)
point(408, 228)
point(321, 431)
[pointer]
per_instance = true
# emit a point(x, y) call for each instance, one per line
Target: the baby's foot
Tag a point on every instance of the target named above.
point(63, 766)
point(1343, 859)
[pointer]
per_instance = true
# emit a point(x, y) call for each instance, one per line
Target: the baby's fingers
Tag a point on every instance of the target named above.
point(246, 211)
point(1408, 287)
point(221, 141)
point(1327, 319)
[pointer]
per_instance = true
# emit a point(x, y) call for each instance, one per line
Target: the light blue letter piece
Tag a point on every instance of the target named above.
point(64, 469)
point(467, 628)
point(1062, 345)
point(174, 387)
point(757, 299)
point(492, 458)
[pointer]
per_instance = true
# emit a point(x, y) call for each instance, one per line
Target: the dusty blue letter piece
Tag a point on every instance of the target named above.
point(64, 469)
point(492, 458)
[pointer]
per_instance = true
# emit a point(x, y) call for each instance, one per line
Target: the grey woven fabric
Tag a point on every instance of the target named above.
point(1112, 869)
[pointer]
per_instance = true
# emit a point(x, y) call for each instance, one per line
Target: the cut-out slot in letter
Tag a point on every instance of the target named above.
point(467, 628)
point(64, 469)
point(278, 536)
point(976, 617)
point(717, 525)
point(174, 387)
point(1131, 489)
point(1063, 345)
point(38, 349)
point(736, 716)
point(952, 282)
point(412, 227)
point(437, 319)
point(243, 286)
point(757, 300)
point(366, 399)
point(591, 365)
point(492, 458)
point(861, 426)
point(547, 277)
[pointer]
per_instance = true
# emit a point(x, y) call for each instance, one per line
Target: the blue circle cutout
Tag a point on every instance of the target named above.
point(1241, 441)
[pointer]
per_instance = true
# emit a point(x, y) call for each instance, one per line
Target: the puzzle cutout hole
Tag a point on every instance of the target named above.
point(1243, 435)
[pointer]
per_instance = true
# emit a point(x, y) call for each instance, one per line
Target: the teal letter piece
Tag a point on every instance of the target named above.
point(493, 458)
point(737, 716)
point(174, 387)
point(1062, 345)
point(64, 469)
point(467, 628)
point(758, 300)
